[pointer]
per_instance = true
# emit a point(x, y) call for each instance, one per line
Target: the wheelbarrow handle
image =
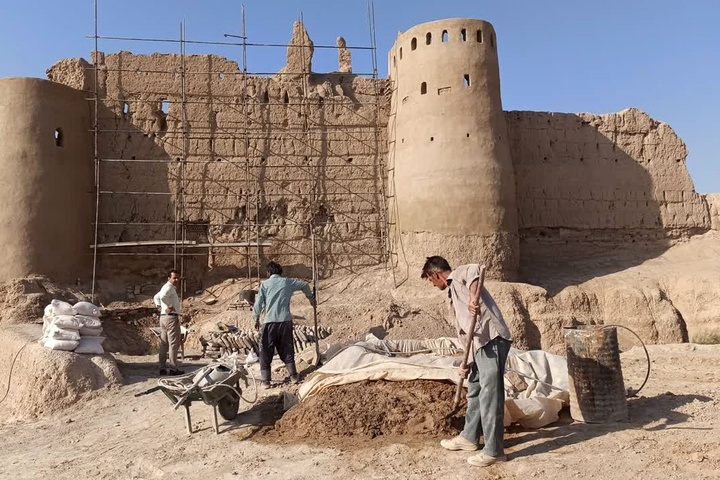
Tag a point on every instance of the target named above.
point(148, 391)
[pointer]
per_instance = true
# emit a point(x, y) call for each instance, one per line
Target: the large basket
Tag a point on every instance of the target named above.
point(597, 392)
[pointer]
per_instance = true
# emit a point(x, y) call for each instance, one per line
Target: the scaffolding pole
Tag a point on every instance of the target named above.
point(366, 134)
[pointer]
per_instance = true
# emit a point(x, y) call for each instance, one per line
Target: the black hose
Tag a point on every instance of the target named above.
point(12, 365)
point(647, 356)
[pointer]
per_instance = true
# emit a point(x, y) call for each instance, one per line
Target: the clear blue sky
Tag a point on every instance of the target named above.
point(558, 55)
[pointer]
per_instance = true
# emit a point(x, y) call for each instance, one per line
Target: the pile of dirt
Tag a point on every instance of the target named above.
point(22, 300)
point(371, 409)
point(37, 381)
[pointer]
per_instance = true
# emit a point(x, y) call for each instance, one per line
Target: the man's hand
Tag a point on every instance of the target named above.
point(463, 372)
point(473, 307)
point(257, 324)
point(169, 310)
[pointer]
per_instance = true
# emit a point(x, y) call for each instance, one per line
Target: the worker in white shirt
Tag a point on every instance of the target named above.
point(168, 301)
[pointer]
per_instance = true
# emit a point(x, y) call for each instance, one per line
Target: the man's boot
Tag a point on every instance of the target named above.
point(265, 376)
point(292, 370)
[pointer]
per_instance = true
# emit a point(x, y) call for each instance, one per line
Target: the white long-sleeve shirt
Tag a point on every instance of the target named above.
point(167, 297)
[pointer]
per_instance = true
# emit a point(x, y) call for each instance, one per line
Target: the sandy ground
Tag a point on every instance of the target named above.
point(672, 433)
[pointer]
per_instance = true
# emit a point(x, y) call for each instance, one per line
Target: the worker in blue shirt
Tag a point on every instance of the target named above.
point(277, 330)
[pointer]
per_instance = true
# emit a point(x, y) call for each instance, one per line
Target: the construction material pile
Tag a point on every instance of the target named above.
point(218, 343)
point(374, 408)
point(72, 328)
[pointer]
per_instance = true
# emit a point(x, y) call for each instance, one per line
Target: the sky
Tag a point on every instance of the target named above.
point(660, 56)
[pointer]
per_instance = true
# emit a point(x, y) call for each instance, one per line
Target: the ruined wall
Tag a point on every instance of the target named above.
point(46, 179)
point(593, 177)
point(453, 176)
point(263, 161)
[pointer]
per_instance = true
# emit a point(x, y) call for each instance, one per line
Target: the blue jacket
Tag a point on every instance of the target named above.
point(274, 297)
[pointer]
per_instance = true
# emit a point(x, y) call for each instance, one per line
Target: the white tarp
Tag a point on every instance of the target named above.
point(536, 382)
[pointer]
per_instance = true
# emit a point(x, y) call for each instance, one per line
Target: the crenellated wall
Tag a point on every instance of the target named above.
point(452, 175)
point(267, 160)
point(602, 175)
point(253, 169)
point(45, 180)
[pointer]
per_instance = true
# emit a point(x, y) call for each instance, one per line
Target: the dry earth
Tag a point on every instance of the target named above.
point(672, 434)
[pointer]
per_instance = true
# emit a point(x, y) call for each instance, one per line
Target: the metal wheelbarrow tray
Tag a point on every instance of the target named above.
point(223, 395)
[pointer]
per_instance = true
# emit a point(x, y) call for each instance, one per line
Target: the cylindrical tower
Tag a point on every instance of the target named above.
point(451, 171)
point(46, 180)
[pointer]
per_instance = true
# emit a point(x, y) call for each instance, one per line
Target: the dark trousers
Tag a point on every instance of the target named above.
point(276, 336)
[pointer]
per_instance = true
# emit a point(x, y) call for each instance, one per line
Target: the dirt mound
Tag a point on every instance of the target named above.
point(371, 409)
point(37, 381)
point(22, 300)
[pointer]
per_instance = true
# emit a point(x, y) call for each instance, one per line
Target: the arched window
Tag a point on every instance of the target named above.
point(413, 43)
point(466, 80)
point(463, 35)
point(400, 53)
point(423, 88)
point(479, 36)
point(428, 38)
point(444, 36)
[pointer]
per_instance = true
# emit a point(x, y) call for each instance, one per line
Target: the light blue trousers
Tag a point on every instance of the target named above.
point(486, 397)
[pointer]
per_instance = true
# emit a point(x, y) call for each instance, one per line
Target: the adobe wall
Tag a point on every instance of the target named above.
point(594, 177)
point(225, 177)
point(452, 174)
point(46, 174)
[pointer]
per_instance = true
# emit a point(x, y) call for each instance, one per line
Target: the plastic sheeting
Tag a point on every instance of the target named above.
point(536, 382)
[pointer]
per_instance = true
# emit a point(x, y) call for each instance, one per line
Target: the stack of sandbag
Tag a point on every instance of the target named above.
point(72, 328)
point(61, 331)
point(88, 316)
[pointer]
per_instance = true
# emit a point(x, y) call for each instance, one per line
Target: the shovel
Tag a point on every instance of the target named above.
point(468, 344)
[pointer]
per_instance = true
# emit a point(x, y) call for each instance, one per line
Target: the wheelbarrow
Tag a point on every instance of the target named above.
point(217, 384)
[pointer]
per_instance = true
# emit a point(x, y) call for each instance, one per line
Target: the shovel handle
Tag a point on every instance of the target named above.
point(469, 341)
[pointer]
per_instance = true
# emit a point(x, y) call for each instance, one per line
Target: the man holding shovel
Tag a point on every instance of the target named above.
point(486, 365)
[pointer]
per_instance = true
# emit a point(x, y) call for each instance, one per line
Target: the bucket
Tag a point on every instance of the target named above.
point(597, 391)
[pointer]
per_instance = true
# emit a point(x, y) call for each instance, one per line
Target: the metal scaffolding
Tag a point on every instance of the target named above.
point(249, 181)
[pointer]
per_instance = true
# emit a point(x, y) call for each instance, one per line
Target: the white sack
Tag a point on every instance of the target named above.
point(59, 333)
point(87, 308)
point(54, 344)
point(65, 321)
point(88, 321)
point(90, 331)
point(58, 307)
point(91, 345)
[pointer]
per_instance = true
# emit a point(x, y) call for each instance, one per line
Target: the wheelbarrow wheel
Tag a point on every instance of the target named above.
point(228, 406)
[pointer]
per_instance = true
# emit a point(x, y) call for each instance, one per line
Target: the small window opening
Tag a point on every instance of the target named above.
point(428, 38)
point(164, 106)
point(59, 140)
point(432, 139)
point(466, 80)
point(479, 36)
point(413, 44)
point(221, 75)
point(463, 35)
point(286, 98)
point(349, 160)
point(467, 135)
point(400, 53)
point(126, 108)
point(262, 159)
point(423, 88)
point(444, 36)
point(266, 97)
point(394, 61)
